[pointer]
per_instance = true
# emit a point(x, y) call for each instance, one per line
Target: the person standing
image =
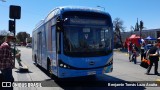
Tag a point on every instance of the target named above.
point(6, 61)
point(134, 53)
point(154, 58)
point(142, 51)
point(130, 50)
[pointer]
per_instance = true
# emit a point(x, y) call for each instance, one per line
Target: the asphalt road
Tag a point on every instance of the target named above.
point(123, 73)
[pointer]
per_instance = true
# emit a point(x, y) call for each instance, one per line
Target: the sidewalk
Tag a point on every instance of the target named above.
point(16, 73)
point(20, 74)
point(19, 70)
point(16, 69)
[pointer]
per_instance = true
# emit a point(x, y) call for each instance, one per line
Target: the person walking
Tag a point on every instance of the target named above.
point(154, 58)
point(6, 61)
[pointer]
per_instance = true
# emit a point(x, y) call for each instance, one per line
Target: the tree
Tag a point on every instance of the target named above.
point(21, 36)
point(4, 32)
point(29, 40)
point(132, 29)
point(118, 28)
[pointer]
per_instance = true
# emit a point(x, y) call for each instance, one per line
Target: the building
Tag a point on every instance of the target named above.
point(155, 33)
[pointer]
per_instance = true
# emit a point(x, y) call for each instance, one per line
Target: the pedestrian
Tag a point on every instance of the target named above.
point(130, 50)
point(134, 53)
point(154, 58)
point(6, 61)
point(143, 51)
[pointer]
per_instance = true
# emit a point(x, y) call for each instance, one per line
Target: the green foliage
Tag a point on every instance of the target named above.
point(21, 36)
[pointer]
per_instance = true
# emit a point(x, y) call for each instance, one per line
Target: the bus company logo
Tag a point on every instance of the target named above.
point(6, 84)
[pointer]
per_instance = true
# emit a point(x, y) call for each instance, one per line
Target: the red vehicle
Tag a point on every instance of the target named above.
point(23, 43)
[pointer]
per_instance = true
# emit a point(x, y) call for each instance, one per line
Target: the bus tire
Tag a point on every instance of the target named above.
point(49, 68)
point(35, 60)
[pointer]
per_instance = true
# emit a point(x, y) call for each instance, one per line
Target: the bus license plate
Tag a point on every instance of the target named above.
point(91, 72)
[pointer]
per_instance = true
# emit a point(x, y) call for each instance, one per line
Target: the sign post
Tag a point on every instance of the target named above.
point(14, 13)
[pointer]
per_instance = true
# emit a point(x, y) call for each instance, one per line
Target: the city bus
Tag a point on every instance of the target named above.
point(74, 42)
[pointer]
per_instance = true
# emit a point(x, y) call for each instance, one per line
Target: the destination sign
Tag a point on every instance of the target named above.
point(87, 21)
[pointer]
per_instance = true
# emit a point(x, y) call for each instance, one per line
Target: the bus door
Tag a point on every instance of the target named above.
point(54, 55)
point(39, 47)
point(58, 42)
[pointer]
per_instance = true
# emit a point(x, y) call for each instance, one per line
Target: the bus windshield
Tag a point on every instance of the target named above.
point(87, 41)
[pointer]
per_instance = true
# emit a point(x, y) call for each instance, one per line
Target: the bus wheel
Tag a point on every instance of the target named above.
point(49, 71)
point(35, 60)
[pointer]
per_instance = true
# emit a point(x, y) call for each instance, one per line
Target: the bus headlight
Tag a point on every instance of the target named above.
point(63, 65)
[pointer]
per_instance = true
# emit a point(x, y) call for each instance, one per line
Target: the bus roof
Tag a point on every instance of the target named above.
point(61, 10)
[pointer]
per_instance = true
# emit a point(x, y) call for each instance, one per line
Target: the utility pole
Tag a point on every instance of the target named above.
point(141, 27)
point(137, 25)
point(14, 13)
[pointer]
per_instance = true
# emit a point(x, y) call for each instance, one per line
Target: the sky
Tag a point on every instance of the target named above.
point(32, 11)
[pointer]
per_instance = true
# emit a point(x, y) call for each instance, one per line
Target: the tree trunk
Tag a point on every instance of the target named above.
point(121, 40)
point(119, 37)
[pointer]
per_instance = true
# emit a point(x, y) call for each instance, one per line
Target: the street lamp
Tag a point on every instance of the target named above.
point(101, 7)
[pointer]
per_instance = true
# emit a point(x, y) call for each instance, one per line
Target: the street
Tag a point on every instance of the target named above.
point(83, 43)
point(123, 71)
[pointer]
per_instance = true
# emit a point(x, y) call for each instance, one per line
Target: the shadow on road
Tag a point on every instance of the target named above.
point(99, 82)
point(23, 71)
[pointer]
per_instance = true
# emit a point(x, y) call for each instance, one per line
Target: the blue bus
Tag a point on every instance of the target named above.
point(73, 42)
